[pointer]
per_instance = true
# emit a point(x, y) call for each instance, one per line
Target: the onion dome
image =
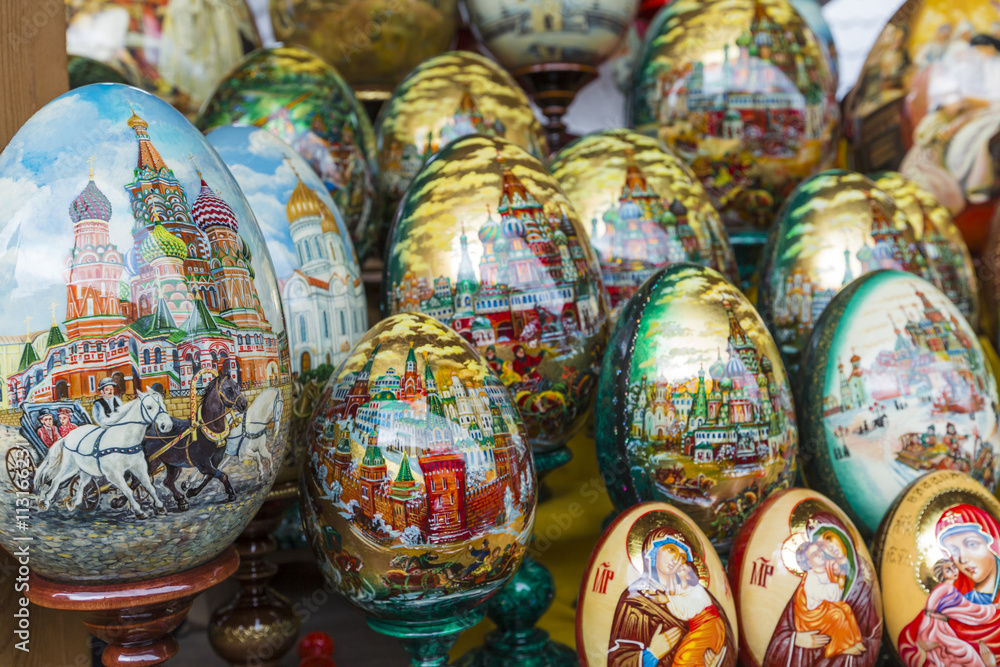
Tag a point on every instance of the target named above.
point(131, 261)
point(735, 368)
point(855, 358)
point(490, 231)
point(883, 251)
point(558, 237)
point(513, 227)
point(765, 363)
point(718, 369)
point(91, 204)
point(303, 202)
point(161, 243)
point(134, 121)
point(630, 210)
point(209, 211)
point(678, 209)
point(725, 384)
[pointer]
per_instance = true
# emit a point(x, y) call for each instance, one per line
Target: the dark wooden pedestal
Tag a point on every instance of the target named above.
point(553, 86)
point(258, 626)
point(135, 619)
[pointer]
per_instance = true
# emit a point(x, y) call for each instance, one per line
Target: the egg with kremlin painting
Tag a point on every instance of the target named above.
point(143, 342)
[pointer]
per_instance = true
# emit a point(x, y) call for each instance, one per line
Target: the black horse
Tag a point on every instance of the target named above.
point(222, 396)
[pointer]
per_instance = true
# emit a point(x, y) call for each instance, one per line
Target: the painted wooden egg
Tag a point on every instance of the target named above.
point(835, 227)
point(742, 90)
point(419, 493)
point(299, 98)
point(643, 209)
point(321, 292)
point(176, 49)
point(936, 555)
point(947, 255)
point(447, 97)
point(812, 13)
point(372, 43)
point(693, 404)
point(898, 385)
point(486, 241)
point(805, 586)
point(925, 104)
point(655, 593)
point(521, 34)
point(143, 340)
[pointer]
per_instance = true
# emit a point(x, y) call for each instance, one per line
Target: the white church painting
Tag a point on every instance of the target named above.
point(314, 259)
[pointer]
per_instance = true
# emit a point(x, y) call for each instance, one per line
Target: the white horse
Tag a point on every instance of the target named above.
point(92, 452)
point(262, 419)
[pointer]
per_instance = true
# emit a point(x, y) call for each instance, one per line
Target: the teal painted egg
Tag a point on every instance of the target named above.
point(142, 340)
point(693, 404)
point(899, 386)
point(419, 494)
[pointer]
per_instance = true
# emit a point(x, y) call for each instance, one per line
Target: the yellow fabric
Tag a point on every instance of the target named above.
point(567, 527)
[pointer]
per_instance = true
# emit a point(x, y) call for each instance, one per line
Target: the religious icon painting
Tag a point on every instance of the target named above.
point(899, 386)
point(321, 291)
point(925, 104)
point(938, 560)
point(655, 593)
point(166, 355)
point(805, 586)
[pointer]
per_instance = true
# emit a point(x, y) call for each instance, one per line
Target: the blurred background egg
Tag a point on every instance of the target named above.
point(446, 97)
point(693, 404)
point(175, 49)
point(643, 209)
point(743, 91)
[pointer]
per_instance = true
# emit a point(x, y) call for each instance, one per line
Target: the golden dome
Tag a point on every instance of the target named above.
point(304, 202)
point(134, 120)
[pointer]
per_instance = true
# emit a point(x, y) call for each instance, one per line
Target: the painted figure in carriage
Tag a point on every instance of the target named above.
point(107, 405)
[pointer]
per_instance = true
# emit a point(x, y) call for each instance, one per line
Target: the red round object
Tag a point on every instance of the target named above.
point(315, 645)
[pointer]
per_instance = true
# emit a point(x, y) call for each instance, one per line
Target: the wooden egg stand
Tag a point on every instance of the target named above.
point(135, 619)
point(553, 86)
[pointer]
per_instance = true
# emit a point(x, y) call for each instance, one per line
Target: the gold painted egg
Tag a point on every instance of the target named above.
point(925, 104)
point(419, 494)
point(947, 255)
point(742, 90)
point(446, 97)
point(486, 241)
point(898, 385)
point(805, 586)
point(175, 49)
point(655, 593)
point(293, 94)
point(372, 43)
point(836, 226)
point(643, 209)
point(322, 296)
point(937, 556)
point(693, 405)
point(142, 340)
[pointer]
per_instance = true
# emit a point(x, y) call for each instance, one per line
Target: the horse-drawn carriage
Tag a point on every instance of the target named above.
point(126, 453)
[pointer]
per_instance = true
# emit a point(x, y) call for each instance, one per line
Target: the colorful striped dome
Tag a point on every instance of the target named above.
point(209, 211)
point(490, 231)
point(91, 204)
point(513, 227)
point(161, 243)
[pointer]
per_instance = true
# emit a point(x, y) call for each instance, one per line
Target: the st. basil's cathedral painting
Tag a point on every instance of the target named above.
point(145, 364)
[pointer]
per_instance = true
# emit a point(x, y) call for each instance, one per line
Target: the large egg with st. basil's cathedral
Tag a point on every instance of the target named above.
point(694, 406)
point(142, 341)
point(419, 492)
point(486, 241)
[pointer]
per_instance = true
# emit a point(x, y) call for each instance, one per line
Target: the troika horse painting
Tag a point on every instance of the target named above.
point(143, 427)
